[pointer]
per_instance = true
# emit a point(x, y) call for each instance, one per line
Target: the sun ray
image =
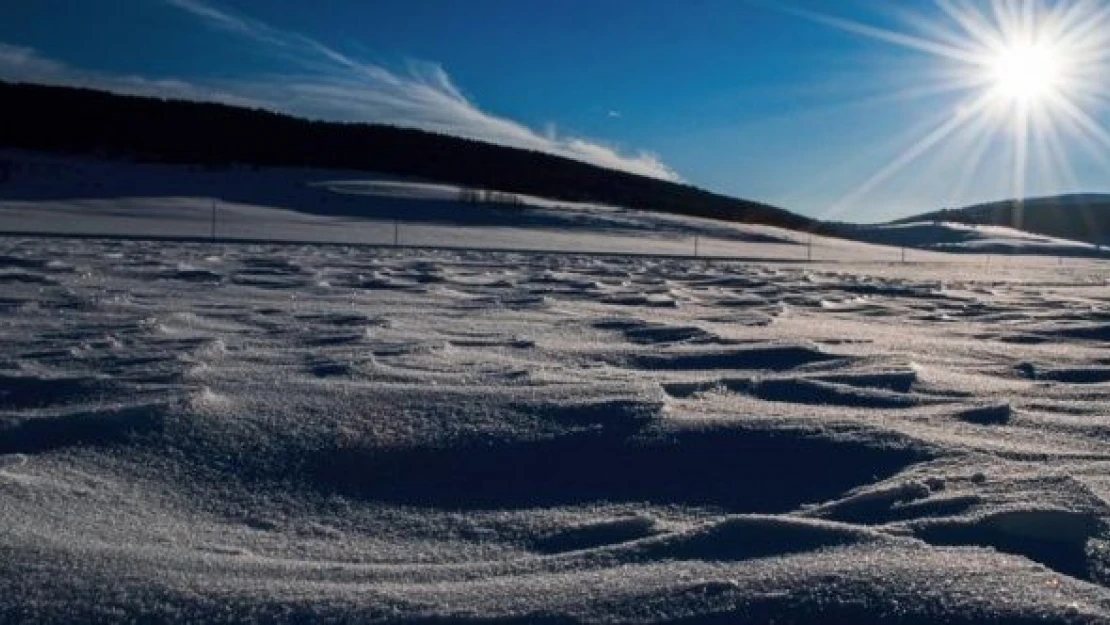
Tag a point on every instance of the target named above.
point(1067, 18)
point(950, 85)
point(1054, 146)
point(1007, 15)
point(1082, 140)
point(983, 136)
point(887, 36)
point(975, 26)
point(1089, 26)
point(911, 154)
point(934, 170)
point(1028, 16)
point(1085, 121)
point(944, 33)
point(1056, 155)
point(1021, 151)
point(869, 152)
point(1049, 166)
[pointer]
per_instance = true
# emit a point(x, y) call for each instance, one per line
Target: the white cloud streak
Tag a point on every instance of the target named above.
point(327, 84)
point(21, 64)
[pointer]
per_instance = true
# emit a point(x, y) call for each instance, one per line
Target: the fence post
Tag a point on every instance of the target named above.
point(213, 220)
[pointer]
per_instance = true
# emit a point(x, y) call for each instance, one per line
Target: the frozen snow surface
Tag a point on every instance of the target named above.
point(283, 432)
point(197, 432)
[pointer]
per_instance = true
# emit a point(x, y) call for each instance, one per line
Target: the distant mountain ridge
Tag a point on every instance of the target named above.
point(85, 121)
point(1079, 217)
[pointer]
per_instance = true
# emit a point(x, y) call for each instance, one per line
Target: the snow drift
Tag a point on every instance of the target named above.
point(260, 433)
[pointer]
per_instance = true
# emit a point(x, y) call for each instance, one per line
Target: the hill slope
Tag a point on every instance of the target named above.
point(48, 193)
point(1084, 217)
point(83, 121)
point(949, 236)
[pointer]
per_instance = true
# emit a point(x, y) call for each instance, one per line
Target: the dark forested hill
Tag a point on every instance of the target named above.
point(84, 121)
point(1077, 217)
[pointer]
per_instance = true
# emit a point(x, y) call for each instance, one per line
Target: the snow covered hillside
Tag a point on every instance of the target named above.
point(964, 238)
point(62, 195)
point(204, 432)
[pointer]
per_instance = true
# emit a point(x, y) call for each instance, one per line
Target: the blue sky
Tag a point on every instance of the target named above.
point(758, 99)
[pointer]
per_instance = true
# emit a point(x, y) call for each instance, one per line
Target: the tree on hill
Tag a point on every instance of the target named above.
point(84, 121)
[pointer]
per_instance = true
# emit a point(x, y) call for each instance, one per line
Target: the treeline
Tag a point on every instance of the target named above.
point(1076, 217)
point(85, 121)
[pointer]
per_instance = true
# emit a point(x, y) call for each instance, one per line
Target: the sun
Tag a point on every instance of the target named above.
point(1029, 73)
point(1017, 81)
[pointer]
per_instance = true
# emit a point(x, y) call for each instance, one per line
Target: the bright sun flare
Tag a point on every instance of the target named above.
point(1027, 82)
point(1027, 72)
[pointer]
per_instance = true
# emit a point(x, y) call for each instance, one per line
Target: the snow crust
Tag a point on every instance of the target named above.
point(204, 432)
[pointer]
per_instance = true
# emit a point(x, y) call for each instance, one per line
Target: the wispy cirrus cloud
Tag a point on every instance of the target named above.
point(23, 64)
point(325, 83)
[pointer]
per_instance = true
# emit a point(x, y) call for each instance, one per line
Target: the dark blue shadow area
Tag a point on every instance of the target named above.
point(1060, 542)
point(40, 434)
point(733, 468)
